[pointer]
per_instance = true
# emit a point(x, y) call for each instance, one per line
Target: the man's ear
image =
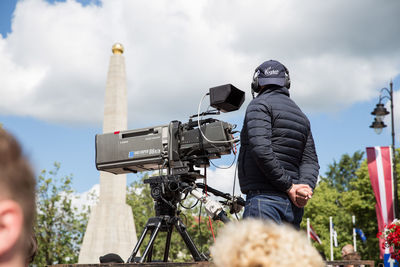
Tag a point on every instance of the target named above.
point(11, 225)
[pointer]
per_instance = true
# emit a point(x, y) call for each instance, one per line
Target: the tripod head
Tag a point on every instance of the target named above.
point(167, 192)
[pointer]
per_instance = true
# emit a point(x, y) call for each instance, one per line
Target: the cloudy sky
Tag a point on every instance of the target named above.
point(54, 58)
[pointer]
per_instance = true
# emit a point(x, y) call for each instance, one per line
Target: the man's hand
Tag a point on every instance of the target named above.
point(303, 195)
point(299, 194)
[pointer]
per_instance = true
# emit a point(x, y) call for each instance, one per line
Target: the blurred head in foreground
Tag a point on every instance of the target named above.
point(347, 250)
point(348, 253)
point(256, 243)
point(17, 203)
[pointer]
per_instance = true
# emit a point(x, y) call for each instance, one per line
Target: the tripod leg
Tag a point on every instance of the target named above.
point(151, 241)
point(150, 254)
point(138, 244)
point(168, 243)
point(197, 256)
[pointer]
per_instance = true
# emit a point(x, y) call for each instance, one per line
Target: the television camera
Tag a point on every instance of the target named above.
point(179, 148)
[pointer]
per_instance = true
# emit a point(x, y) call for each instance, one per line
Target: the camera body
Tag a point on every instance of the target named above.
point(177, 146)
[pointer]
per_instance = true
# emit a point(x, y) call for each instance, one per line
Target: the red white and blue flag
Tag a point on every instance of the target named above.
point(314, 235)
point(381, 176)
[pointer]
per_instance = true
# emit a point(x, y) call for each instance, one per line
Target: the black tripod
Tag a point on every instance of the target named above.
point(166, 191)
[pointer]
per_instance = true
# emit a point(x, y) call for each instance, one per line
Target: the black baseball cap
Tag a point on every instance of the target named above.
point(271, 72)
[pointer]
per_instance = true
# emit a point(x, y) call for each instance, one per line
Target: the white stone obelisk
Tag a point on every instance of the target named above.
point(111, 228)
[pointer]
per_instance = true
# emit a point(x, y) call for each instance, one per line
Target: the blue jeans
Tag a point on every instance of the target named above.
point(277, 208)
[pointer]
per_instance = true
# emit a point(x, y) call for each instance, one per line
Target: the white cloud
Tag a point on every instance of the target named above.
point(82, 201)
point(86, 199)
point(54, 63)
point(223, 179)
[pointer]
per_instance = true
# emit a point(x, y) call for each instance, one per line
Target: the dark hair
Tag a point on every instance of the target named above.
point(352, 256)
point(17, 181)
point(32, 248)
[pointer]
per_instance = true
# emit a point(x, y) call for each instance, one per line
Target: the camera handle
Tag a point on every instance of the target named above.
point(235, 203)
point(213, 208)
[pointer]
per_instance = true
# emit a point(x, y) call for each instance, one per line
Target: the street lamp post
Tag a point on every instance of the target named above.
point(380, 112)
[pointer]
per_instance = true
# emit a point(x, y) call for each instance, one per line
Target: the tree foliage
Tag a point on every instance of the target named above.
point(139, 198)
point(59, 226)
point(345, 191)
point(341, 173)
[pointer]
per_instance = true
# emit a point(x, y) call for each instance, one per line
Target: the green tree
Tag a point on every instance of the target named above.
point(361, 203)
point(324, 204)
point(345, 191)
point(341, 173)
point(139, 198)
point(59, 226)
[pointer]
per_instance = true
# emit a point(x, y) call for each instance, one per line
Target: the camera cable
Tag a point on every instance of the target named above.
point(234, 187)
point(198, 124)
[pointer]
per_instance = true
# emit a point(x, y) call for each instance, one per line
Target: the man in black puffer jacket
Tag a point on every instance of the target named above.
point(278, 165)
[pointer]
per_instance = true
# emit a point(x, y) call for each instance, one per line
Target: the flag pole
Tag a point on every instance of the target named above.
point(331, 235)
point(308, 230)
point(354, 232)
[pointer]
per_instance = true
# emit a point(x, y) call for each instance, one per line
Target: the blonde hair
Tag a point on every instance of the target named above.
point(256, 243)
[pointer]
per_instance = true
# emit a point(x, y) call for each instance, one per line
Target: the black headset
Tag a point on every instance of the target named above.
point(255, 86)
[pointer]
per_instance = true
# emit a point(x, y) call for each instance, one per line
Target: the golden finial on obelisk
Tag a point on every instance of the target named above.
point(117, 48)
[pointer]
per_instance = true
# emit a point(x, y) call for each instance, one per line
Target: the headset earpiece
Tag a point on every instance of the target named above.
point(287, 78)
point(255, 87)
